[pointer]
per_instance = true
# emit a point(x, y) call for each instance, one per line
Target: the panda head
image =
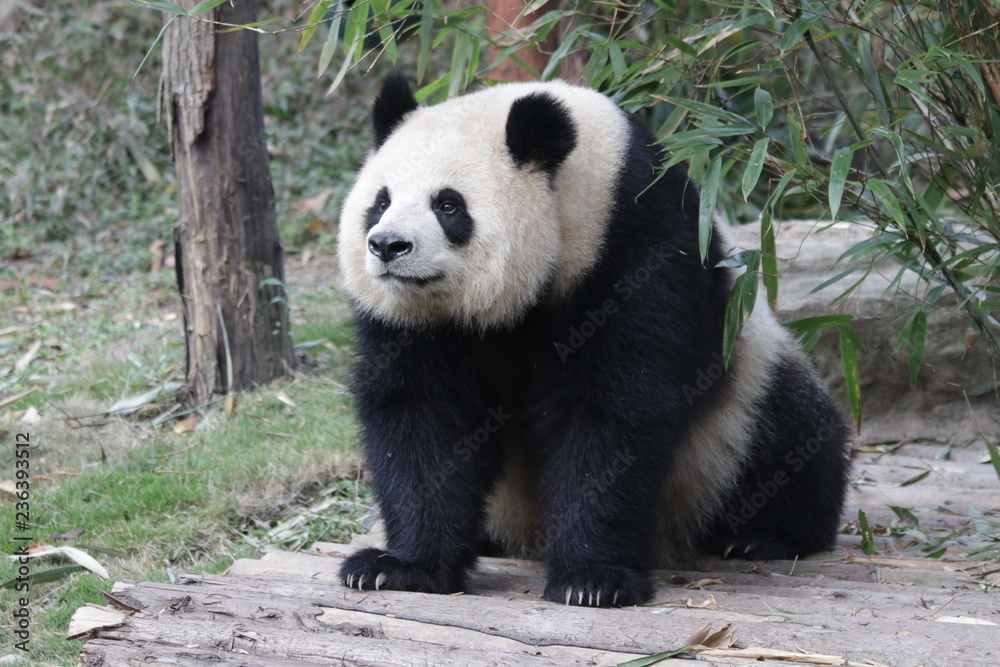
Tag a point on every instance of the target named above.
point(456, 214)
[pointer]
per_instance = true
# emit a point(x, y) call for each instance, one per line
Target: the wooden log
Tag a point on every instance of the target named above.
point(145, 640)
point(537, 623)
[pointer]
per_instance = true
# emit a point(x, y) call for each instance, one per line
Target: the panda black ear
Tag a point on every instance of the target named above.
point(394, 100)
point(540, 132)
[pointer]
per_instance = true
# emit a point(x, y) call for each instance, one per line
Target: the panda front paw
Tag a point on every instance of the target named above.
point(375, 569)
point(597, 585)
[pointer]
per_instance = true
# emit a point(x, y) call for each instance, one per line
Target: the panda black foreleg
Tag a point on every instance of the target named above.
point(431, 439)
point(600, 486)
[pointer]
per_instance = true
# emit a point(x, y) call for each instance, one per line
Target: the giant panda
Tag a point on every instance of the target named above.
point(539, 367)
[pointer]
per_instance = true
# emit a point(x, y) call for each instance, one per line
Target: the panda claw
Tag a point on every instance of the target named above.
point(579, 597)
point(590, 600)
point(598, 598)
point(569, 594)
point(725, 554)
point(361, 582)
point(350, 581)
point(615, 600)
point(749, 547)
point(380, 580)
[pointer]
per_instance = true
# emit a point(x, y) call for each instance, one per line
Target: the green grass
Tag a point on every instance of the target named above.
point(153, 502)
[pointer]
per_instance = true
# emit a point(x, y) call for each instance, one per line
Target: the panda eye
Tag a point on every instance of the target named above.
point(448, 207)
point(382, 205)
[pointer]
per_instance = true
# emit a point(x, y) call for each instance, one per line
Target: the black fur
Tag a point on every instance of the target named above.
point(596, 385)
point(393, 102)
point(540, 131)
point(381, 204)
point(453, 216)
point(788, 502)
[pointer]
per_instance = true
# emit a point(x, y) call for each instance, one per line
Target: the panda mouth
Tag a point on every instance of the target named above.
point(418, 281)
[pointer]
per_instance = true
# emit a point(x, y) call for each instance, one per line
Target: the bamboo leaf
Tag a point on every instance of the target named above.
point(355, 29)
point(426, 37)
point(888, 198)
point(819, 322)
point(330, 46)
point(344, 67)
point(796, 137)
point(169, 7)
point(769, 258)
point(764, 107)
point(915, 345)
point(562, 51)
point(706, 110)
point(312, 23)
point(852, 378)
point(796, 31)
point(808, 340)
point(752, 172)
point(915, 479)
point(658, 657)
point(133, 403)
point(387, 37)
point(994, 456)
point(706, 212)
point(867, 537)
point(206, 5)
point(741, 302)
point(618, 63)
point(45, 576)
point(838, 177)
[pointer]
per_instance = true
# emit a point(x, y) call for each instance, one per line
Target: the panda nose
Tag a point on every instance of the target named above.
point(388, 247)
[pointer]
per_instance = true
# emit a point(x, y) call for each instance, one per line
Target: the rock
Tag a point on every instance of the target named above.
point(938, 408)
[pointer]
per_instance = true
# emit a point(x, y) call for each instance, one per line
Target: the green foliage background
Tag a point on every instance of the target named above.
point(882, 113)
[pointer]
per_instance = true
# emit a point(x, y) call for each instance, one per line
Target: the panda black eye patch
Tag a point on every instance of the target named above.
point(453, 216)
point(374, 214)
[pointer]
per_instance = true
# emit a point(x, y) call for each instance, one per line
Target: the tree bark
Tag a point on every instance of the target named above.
point(229, 257)
point(503, 15)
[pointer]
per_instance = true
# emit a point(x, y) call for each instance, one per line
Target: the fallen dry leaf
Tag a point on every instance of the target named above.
point(186, 425)
point(78, 556)
point(314, 203)
point(702, 583)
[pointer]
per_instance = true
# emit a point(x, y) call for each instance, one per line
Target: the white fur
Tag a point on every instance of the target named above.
point(715, 450)
point(527, 235)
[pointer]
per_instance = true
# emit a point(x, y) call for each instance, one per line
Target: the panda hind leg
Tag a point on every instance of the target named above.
point(789, 498)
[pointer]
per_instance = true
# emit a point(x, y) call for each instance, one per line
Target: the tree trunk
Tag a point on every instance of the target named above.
point(229, 257)
point(504, 15)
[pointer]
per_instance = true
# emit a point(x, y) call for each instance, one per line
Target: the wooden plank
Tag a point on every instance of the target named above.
point(184, 640)
point(297, 608)
point(538, 623)
point(111, 653)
